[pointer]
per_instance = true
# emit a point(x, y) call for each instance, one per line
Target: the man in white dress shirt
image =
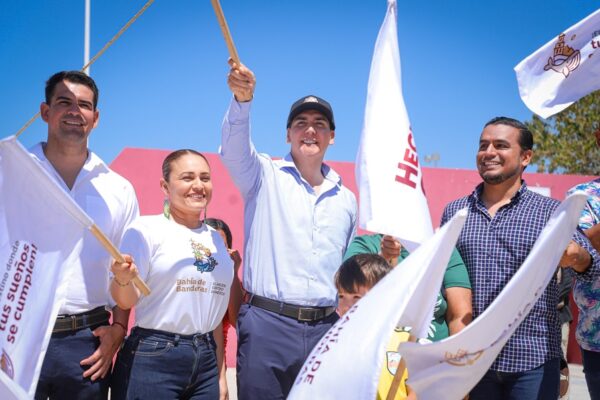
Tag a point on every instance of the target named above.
point(298, 221)
point(79, 356)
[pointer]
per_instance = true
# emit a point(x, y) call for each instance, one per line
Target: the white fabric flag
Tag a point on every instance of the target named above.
point(451, 368)
point(347, 361)
point(562, 71)
point(41, 230)
point(388, 172)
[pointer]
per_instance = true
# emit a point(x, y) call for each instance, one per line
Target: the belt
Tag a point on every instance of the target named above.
point(304, 314)
point(75, 322)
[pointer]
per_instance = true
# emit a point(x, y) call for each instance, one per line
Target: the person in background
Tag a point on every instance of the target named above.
point(587, 293)
point(353, 280)
point(175, 349)
point(235, 297)
point(453, 309)
point(78, 361)
point(564, 280)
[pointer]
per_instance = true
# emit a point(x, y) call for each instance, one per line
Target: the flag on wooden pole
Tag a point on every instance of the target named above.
point(41, 234)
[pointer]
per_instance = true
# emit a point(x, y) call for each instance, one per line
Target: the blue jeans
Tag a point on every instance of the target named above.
point(539, 383)
point(271, 351)
point(591, 369)
point(62, 375)
point(162, 365)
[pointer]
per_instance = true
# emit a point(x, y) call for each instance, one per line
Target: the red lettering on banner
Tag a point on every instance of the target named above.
point(18, 292)
point(4, 318)
point(411, 156)
point(315, 366)
point(408, 171)
point(408, 166)
point(327, 342)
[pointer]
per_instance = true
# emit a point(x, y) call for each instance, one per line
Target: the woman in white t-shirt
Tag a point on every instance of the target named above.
point(175, 349)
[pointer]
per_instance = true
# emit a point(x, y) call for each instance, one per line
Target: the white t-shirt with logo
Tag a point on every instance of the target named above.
point(189, 272)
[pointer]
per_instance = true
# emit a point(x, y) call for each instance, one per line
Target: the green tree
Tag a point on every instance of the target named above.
point(565, 142)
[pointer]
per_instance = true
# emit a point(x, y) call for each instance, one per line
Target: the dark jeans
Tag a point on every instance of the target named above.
point(161, 365)
point(591, 369)
point(271, 351)
point(62, 375)
point(540, 383)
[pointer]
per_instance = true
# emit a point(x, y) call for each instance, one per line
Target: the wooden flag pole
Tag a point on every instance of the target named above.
point(93, 60)
point(225, 29)
point(114, 252)
point(395, 385)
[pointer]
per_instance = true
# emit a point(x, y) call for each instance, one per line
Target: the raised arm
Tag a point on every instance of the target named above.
point(237, 151)
point(241, 81)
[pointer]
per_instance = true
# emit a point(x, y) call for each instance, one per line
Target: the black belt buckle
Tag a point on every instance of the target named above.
point(307, 314)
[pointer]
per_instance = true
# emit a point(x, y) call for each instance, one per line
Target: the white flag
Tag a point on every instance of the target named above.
point(451, 368)
point(388, 173)
point(41, 231)
point(562, 71)
point(346, 362)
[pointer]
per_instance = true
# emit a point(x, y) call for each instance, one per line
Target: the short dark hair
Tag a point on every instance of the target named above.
point(166, 165)
point(525, 135)
point(220, 225)
point(74, 77)
point(361, 270)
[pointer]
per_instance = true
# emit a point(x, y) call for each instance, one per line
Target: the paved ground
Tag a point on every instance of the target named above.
point(231, 384)
point(578, 389)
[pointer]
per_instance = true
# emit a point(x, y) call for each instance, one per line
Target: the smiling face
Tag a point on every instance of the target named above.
point(309, 135)
point(70, 115)
point(347, 299)
point(500, 157)
point(189, 186)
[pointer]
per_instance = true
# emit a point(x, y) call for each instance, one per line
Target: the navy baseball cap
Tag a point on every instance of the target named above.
point(311, 103)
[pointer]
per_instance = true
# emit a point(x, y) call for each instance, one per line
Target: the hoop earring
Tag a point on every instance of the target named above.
point(205, 209)
point(166, 209)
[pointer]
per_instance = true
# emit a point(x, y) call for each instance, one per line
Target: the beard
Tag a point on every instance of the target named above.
point(498, 178)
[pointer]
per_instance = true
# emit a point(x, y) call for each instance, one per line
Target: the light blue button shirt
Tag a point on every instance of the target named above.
point(294, 237)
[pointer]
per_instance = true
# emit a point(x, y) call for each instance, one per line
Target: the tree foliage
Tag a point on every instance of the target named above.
point(565, 142)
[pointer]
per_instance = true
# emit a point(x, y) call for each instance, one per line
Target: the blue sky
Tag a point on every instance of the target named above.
point(163, 83)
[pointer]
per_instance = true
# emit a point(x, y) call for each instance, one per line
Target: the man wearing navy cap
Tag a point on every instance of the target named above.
point(298, 221)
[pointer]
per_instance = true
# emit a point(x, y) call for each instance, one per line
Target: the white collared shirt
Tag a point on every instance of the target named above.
point(294, 237)
point(109, 199)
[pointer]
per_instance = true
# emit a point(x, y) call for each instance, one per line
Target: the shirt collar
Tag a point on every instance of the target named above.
point(92, 161)
point(328, 172)
point(479, 189)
